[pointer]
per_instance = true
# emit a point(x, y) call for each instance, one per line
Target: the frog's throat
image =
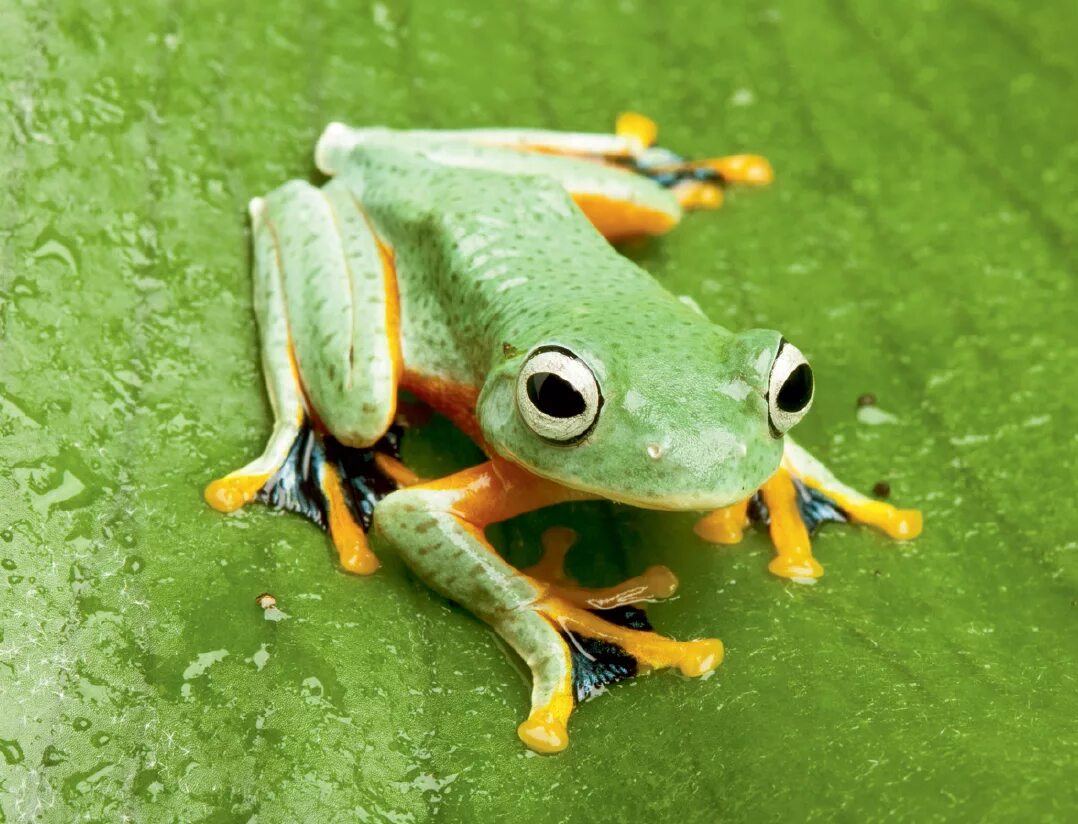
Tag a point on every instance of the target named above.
point(672, 502)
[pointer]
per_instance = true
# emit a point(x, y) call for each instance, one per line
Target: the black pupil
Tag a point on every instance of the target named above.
point(796, 391)
point(554, 396)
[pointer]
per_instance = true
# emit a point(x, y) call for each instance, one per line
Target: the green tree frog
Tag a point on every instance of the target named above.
point(474, 269)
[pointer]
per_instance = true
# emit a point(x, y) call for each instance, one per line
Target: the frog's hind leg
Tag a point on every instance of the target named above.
point(695, 184)
point(282, 385)
point(626, 186)
point(331, 467)
point(801, 496)
point(619, 203)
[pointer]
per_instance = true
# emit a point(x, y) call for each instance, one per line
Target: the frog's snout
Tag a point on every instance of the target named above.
point(789, 389)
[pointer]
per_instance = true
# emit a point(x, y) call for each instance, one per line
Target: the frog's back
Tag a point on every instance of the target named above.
point(485, 259)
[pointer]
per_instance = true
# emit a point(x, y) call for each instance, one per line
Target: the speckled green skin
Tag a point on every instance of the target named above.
point(486, 259)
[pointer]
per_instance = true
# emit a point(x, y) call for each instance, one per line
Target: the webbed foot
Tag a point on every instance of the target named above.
point(697, 184)
point(608, 638)
point(793, 503)
point(327, 482)
point(604, 647)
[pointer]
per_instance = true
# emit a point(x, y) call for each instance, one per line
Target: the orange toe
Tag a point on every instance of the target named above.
point(544, 734)
point(233, 491)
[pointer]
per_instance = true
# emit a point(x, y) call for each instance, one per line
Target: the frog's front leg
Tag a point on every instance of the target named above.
point(799, 497)
point(573, 651)
point(325, 296)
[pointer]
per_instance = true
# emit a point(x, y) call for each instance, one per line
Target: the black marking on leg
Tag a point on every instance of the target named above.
point(625, 615)
point(297, 485)
point(757, 510)
point(365, 484)
point(815, 507)
point(669, 169)
point(596, 663)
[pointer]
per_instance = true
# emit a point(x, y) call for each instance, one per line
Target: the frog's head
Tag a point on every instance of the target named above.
point(647, 424)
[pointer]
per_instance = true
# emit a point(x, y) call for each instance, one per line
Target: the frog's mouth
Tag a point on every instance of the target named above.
point(677, 502)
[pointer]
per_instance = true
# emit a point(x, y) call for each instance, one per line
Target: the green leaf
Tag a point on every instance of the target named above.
point(918, 244)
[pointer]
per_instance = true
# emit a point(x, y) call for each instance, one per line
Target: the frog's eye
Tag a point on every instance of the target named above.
point(789, 391)
point(557, 395)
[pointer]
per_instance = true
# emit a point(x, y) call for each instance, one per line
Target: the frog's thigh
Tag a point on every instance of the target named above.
point(633, 133)
point(337, 141)
point(340, 293)
point(619, 202)
point(242, 486)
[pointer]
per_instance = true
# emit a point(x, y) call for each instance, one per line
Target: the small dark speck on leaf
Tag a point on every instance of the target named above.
point(882, 489)
point(509, 350)
point(266, 600)
point(867, 399)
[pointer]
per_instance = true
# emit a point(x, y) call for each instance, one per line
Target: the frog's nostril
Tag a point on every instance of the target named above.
point(796, 391)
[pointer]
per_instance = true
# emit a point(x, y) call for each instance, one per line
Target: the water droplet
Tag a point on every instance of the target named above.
point(742, 97)
point(874, 416)
point(148, 783)
point(11, 750)
point(69, 488)
point(260, 657)
point(203, 662)
point(275, 614)
point(82, 783)
point(12, 410)
point(655, 451)
point(312, 690)
point(133, 564)
point(56, 249)
point(53, 756)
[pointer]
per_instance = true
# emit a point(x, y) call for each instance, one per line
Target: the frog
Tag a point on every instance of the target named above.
point(477, 271)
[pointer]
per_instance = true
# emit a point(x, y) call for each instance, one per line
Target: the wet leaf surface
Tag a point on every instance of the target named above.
point(918, 245)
